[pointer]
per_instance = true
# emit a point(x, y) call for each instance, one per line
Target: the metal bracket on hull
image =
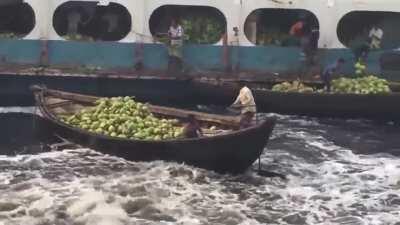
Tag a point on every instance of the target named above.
point(44, 53)
point(276, 1)
point(139, 54)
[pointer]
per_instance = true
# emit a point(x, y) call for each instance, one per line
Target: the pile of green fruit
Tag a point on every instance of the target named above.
point(295, 86)
point(77, 37)
point(123, 117)
point(363, 85)
point(8, 35)
point(360, 68)
point(276, 37)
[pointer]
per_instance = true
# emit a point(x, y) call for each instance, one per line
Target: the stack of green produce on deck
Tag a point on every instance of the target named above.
point(8, 35)
point(360, 67)
point(295, 86)
point(77, 37)
point(124, 118)
point(276, 38)
point(162, 39)
point(202, 30)
point(363, 85)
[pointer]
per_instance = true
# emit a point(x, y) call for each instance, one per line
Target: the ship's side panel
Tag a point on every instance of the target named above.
point(155, 56)
point(18, 52)
point(204, 57)
point(98, 54)
point(268, 59)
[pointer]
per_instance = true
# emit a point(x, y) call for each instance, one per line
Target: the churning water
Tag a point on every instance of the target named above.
point(338, 172)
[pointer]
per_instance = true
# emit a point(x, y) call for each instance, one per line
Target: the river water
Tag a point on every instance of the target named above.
point(338, 172)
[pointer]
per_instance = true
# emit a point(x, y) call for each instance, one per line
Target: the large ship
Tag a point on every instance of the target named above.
point(231, 39)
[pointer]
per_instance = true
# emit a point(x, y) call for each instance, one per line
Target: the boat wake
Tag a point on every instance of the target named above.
point(329, 182)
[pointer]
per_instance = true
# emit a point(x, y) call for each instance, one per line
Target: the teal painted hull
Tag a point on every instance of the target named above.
point(267, 62)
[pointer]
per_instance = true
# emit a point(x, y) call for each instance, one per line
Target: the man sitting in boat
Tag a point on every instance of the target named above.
point(192, 129)
point(329, 71)
point(245, 101)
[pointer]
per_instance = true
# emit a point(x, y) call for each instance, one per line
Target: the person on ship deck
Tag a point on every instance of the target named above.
point(77, 19)
point(372, 42)
point(309, 35)
point(74, 18)
point(175, 34)
point(375, 37)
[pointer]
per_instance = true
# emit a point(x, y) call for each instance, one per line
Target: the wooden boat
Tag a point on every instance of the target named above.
point(372, 106)
point(377, 107)
point(229, 152)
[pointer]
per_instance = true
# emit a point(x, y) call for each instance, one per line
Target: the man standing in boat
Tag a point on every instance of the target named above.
point(329, 71)
point(175, 34)
point(246, 102)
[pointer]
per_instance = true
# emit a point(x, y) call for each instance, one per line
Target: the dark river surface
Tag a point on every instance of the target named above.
point(338, 172)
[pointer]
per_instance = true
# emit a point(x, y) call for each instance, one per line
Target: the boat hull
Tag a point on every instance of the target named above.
point(378, 107)
point(225, 154)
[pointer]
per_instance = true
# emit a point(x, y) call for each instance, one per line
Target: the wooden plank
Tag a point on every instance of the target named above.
point(181, 113)
point(60, 104)
point(72, 96)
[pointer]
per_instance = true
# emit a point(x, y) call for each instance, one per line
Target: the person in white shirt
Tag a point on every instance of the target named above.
point(375, 36)
point(175, 31)
point(175, 34)
point(245, 101)
point(112, 21)
point(74, 19)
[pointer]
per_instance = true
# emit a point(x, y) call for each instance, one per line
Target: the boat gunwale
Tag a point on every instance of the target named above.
point(394, 94)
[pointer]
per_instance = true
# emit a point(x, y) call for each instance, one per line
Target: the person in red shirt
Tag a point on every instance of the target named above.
point(297, 29)
point(308, 35)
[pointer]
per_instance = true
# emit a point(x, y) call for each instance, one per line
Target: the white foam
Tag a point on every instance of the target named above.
point(320, 191)
point(86, 200)
point(44, 203)
point(105, 214)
